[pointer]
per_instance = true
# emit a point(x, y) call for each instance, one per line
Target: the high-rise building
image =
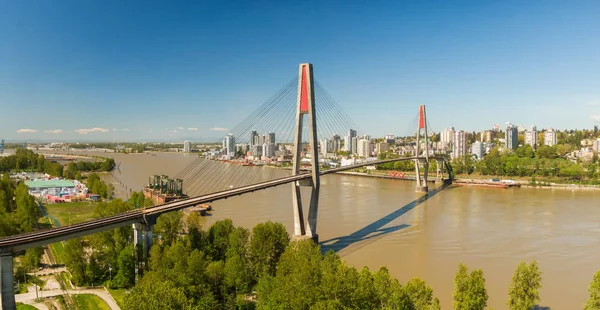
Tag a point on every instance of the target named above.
point(354, 145)
point(325, 146)
point(253, 138)
point(521, 128)
point(268, 150)
point(496, 128)
point(270, 138)
point(229, 145)
point(511, 137)
point(363, 148)
point(459, 144)
point(336, 143)
point(187, 146)
point(447, 136)
point(349, 141)
point(550, 137)
point(478, 149)
point(531, 136)
point(2, 146)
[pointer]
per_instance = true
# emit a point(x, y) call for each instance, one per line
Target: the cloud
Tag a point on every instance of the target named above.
point(125, 129)
point(55, 131)
point(26, 130)
point(115, 129)
point(218, 129)
point(180, 128)
point(84, 131)
point(595, 118)
point(192, 129)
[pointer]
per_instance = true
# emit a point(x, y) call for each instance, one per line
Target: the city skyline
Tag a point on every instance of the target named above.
point(175, 73)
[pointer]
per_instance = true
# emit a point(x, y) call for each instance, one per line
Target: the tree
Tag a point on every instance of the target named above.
point(268, 242)
point(419, 293)
point(523, 291)
point(153, 292)
point(27, 209)
point(125, 276)
point(469, 289)
point(218, 238)
point(593, 302)
point(168, 226)
point(75, 260)
point(31, 259)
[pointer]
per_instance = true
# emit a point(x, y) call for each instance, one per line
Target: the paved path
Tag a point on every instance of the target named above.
point(29, 297)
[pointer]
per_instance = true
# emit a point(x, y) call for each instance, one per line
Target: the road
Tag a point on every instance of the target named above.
point(29, 297)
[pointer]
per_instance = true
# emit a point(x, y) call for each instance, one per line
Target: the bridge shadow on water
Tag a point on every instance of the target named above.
point(374, 230)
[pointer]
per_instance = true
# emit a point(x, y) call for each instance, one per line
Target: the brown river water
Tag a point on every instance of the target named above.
point(377, 222)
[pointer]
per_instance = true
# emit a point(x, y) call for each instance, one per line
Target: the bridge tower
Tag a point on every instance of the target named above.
point(306, 106)
point(422, 124)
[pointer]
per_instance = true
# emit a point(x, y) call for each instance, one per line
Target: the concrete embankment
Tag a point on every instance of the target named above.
point(383, 176)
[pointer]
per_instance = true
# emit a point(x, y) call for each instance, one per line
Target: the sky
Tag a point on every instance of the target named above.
point(172, 70)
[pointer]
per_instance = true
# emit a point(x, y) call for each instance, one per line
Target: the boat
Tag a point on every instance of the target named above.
point(486, 183)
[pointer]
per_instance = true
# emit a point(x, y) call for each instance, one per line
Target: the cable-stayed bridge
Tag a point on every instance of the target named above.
point(297, 115)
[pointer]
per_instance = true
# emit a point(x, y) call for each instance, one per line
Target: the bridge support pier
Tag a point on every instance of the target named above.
point(7, 286)
point(421, 186)
point(306, 105)
point(142, 242)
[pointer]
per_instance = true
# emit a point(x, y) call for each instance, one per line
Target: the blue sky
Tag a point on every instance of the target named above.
point(154, 70)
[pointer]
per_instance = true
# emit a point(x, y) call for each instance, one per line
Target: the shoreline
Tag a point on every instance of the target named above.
point(524, 184)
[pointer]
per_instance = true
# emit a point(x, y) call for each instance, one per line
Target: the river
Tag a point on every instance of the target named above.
point(377, 222)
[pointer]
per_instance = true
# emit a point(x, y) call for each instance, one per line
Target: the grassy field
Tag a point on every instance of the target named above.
point(89, 302)
point(118, 295)
point(21, 306)
point(71, 212)
point(58, 252)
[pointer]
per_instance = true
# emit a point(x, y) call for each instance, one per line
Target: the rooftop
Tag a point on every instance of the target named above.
point(49, 183)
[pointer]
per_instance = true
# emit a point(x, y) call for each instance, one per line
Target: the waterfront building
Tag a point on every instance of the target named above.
point(531, 136)
point(270, 138)
point(447, 136)
point(253, 138)
point(354, 148)
point(2, 146)
point(550, 137)
point(363, 148)
point(268, 150)
point(229, 145)
point(187, 146)
point(348, 141)
point(478, 150)
point(336, 142)
point(512, 137)
point(325, 146)
point(459, 144)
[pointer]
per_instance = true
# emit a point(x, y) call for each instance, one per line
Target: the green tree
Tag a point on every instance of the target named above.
point(218, 238)
point(469, 289)
point(524, 290)
point(75, 260)
point(168, 226)
point(31, 259)
point(125, 276)
point(419, 293)
point(593, 302)
point(268, 242)
point(154, 292)
point(27, 209)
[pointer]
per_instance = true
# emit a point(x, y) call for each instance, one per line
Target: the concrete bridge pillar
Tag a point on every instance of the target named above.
point(440, 170)
point(306, 106)
point(7, 286)
point(142, 243)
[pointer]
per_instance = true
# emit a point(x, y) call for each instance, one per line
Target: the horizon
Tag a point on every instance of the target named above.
point(192, 71)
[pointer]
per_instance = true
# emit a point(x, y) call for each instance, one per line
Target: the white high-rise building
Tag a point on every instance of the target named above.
point(270, 137)
point(268, 150)
point(478, 149)
point(187, 146)
point(459, 144)
point(550, 137)
point(253, 138)
point(336, 143)
point(229, 145)
point(325, 146)
point(596, 146)
point(531, 136)
point(363, 148)
point(354, 145)
point(447, 136)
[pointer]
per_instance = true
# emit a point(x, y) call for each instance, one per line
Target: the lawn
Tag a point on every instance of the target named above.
point(118, 295)
point(71, 212)
point(89, 302)
point(21, 306)
point(58, 252)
